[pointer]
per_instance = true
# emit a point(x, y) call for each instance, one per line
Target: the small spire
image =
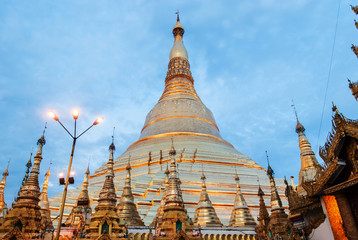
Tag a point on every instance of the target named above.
point(269, 171)
point(172, 151)
point(128, 168)
point(299, 126)
point(205, 214)
point(126, 209)
point(167, 170)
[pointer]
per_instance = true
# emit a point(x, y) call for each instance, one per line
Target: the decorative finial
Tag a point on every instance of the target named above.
point(269, 169)
point(299, 126)
point(177, 13)
point(172, 151)
point(294, 108)
point(42, 140)
point(236, 175)
point(112, 147)
point(43, 133)
point(334, 108)
point(129, 162)
point(202, 171)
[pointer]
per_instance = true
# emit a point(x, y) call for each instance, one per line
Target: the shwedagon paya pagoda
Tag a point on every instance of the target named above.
point(181, 119)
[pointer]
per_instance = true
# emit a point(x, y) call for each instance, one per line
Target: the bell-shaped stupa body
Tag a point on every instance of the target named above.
point(240, 215)
point(205, 214)
point(181, 114)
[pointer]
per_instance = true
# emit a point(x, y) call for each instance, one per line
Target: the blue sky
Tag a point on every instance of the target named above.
point(248, 59)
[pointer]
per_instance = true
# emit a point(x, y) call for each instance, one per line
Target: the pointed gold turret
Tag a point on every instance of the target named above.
point(2, 187)
point(160, 212)
point(205, 214)
point(240, 215)
point(81, 213)
point(126, 209)
point(279, 225)
point(44, 204)
point(310, 168)
point(105, 220)
point(263, 218)
point(176, 222)
point(25, 214)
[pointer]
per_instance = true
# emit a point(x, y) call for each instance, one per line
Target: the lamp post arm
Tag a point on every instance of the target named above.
point(85, 131)
point(65, 128)
point(65, 190)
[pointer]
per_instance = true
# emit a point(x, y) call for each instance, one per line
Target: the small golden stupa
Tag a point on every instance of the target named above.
point(126, 209)
point(240, 215)
point(105, 221)
point(205, 214)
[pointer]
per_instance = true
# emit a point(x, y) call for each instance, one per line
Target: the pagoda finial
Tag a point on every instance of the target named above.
point(177, 13)
point(299, 126)
point(178, 49)
point(269, 171)
point(172, 151)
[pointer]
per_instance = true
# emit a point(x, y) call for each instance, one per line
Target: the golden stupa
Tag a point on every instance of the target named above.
point(180, 114)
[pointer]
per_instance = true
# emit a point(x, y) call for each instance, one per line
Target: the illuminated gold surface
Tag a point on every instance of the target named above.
point(334, 216)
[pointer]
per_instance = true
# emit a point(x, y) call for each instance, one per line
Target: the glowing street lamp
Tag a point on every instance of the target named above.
point(69, 178)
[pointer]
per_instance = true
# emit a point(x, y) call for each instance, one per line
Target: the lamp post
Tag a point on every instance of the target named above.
point(75, 114)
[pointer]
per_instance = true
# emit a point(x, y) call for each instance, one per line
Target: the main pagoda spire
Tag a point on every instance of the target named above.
point(240, 215)
point(126, 209)
point(205, 214)
point(105, 220)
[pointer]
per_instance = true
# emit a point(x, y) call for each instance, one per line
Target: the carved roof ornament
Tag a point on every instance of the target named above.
point(205, 214)
point(354, 88)
point(126, 209)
